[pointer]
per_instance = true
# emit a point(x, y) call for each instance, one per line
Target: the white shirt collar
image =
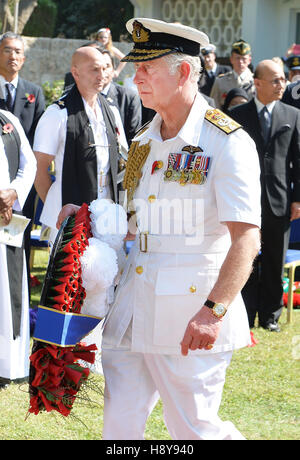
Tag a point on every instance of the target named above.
point(106, 89)
point(260, 105)
point(214, 69)
point(190, 131)
point(2, 85)
point(242, 75)
point(14, 81)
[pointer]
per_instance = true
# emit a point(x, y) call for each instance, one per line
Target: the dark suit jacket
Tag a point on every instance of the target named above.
point(129, 105)
point(206, 82)
point(280, 158)
point(27, 112)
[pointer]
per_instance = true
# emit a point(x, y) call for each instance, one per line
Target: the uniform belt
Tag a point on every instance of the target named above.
point(183, 244)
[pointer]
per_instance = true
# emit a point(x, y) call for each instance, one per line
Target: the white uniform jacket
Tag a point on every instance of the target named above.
point(160, 290)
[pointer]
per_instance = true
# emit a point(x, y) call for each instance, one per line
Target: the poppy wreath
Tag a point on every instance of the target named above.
point(72, 287)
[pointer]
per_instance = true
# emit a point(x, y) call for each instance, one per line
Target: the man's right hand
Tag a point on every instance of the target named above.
point(66, 211)
point(6, 216)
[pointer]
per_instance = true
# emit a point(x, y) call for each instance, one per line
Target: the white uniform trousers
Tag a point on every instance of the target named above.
point(190, 388)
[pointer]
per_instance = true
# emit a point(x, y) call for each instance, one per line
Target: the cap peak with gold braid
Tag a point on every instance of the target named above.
point(154, 38)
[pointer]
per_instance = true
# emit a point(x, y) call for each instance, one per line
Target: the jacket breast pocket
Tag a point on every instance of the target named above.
point(179, 294)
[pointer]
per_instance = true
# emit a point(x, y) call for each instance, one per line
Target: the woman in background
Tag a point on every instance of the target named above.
point(104, 37)
point(235, 96)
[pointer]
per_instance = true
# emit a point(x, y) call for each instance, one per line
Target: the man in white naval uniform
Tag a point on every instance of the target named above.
point(14, 188)
point(192, 177)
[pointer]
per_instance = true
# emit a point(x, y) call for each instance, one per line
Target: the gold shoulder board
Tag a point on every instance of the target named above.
point(221, 121)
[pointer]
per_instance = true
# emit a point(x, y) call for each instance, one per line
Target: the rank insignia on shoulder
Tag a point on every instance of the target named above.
point(60, 103)
point(222, 121)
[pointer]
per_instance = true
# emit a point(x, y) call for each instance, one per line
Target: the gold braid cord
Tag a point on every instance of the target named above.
point(137, 156)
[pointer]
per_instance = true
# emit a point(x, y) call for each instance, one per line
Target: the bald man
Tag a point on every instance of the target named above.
point(275, 128)
point(78, 133)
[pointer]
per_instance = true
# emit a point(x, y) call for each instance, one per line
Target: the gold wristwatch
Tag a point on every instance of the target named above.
point(217, 309)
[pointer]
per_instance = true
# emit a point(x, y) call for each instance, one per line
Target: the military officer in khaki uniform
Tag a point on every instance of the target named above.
point(240, 77)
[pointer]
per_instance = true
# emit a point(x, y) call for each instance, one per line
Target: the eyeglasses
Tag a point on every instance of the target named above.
point(276, 81)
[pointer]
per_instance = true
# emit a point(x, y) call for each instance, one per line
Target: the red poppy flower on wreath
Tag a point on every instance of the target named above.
point(7, 128)
point(30, 98)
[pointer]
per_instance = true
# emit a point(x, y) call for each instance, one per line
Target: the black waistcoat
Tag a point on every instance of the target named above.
point(14, 255)
point(79, 174)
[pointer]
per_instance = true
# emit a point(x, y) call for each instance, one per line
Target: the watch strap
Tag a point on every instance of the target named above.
point(209, 303)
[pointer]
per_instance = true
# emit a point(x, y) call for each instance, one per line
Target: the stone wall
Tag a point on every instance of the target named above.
point(48, 59)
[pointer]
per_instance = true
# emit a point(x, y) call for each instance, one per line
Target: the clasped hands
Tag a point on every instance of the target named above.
point(7, 199)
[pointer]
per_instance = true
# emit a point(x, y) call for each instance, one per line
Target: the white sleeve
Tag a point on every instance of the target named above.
point(27, 166)
point(50, 132)
point(237, 181)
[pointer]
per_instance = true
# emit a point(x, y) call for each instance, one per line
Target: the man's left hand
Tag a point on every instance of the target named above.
point(201, 332)
point(7, 199)
point(295, 210)
point(66, 211)
point(6, 216)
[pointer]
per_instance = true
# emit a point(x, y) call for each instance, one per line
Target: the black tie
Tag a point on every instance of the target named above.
point(9, 98)
point(265, 123)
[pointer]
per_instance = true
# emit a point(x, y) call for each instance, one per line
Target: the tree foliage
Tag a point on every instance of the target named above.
point(26, 8)
point(43, 20)
point(82, 19)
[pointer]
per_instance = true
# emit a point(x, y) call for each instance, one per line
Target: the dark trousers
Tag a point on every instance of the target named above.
point(263, 291)
point(28, 211)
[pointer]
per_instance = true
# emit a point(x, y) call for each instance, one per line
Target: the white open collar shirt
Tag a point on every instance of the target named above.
point(50, 139)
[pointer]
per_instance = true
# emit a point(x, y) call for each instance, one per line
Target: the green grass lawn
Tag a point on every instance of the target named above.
point(261, 394)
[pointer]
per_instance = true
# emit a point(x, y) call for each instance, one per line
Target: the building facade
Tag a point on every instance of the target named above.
point(270, 26)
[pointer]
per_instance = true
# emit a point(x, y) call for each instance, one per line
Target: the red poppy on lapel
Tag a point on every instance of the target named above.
point(8, 128)
point(30, 98)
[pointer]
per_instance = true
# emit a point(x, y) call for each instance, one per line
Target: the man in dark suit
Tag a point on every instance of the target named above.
point(21, 97)
point(25, 100)
point(211, 69)
point(126, 100)
point(275, 128)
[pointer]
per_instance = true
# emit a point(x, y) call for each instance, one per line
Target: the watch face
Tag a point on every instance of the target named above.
point(219, 309)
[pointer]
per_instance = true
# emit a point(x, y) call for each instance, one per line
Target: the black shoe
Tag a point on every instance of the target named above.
point(272, 327)
point(4, 383)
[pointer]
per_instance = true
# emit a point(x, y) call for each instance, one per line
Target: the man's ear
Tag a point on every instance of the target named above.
point(74, 72)
point(257, 83)
point(185, 71)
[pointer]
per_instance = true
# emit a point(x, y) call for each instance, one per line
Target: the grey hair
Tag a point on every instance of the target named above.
point(11, 36)
point(174, 60)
